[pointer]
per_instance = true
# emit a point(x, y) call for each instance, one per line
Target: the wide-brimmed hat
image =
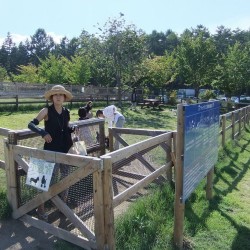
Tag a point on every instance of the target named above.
point(58, 89)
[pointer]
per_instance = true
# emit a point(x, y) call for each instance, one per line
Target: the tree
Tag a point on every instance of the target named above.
point(40, 47)
point(27, 74)
point(233, 74)
point(196, 58)
point(159, 70)
point(3, 74)
point(52, 69)
point(6, 53)
point(78, 70)
point(122, 48)
point(223, 38)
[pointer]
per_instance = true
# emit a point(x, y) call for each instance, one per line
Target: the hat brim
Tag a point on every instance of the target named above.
point(48, 95)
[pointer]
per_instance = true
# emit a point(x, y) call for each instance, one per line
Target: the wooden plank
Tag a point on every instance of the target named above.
point(69, 159)
point(108, 203)
point(98, 209)
point(131, 149)
point(11, 166)
point(133, 131)
point(179, 206)
point(130, 174)
point(233, 125)
point(223, 139)
point(139, 185)
point(71, 216)
point(169, 172)
point(59, 232)
point(55, 189)
point(4, 131)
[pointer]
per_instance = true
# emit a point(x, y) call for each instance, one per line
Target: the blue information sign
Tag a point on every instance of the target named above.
point(201, 130)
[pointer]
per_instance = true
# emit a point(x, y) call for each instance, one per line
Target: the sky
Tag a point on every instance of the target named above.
point(69, 18)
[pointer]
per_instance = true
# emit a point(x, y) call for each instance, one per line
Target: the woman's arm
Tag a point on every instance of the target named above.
point(42, 115)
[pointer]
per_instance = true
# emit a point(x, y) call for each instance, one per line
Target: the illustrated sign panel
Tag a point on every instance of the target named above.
point(201, 130)
point(39, 173)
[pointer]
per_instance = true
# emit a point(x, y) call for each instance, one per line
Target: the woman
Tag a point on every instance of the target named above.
point(56, 132)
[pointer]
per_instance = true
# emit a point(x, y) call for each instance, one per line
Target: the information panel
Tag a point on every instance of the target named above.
point(201, 130)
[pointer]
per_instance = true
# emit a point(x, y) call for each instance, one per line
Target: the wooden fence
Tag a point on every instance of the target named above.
point(98, 184)
point(21, 93)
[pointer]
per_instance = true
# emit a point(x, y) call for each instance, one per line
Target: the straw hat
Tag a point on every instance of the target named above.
point(58, 89)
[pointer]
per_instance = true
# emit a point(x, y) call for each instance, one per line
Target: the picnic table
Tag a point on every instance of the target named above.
point(150, 103)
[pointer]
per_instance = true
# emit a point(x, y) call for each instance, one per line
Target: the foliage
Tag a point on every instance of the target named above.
point(52, 69)
point(27, 74)
point(77, 70)
point(173, 97)
point(232, 74)
point(158, 70)
point(122, 50)
point(207, 94)
point(196, 60)
point(3, 74)
point(116, 55)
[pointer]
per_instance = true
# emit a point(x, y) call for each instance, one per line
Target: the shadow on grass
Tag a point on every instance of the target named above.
point(236, 172)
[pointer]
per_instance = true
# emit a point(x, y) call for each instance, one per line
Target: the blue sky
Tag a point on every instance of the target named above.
point(68, 18)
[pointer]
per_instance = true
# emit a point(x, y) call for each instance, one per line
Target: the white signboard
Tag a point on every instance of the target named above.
point(39, 174)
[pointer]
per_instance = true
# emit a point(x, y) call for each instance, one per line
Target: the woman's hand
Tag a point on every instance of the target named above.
point(47, 138)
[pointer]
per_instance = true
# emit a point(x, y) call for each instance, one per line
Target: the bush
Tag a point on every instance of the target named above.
point(208, 94)
point(173, 97)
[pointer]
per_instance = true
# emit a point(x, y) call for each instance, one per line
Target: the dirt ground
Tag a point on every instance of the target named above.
point(15, 235)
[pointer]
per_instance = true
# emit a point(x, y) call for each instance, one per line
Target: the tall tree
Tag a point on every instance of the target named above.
point(78, 70)
point(233, 74)
point(196, 58)
point(52, 69)
point(40, 46)
point(123, 48)
point(223, 38)
point(159, 70)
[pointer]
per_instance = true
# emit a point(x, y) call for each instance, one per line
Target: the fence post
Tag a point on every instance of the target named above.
point(109, 231)
point(102, 138)
point(240, 120)
point(16, 97)
point(209, 186)
point(179, 205)
point(111, 140)
point(245, 117)
point(98, 209)
point(11, 168)
point(168, 158)
point(248, 114)
point(233, 124)
point(223, 135)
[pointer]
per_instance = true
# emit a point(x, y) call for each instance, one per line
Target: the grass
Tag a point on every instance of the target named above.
point(222, 223)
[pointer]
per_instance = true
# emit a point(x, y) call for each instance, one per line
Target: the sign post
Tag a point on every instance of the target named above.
point(196, 155)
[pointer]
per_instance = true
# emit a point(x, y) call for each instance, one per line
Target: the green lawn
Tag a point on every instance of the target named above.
point(222, 223)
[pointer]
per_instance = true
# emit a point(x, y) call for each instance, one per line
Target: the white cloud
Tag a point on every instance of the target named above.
point(232, 23)
point(56, 38)
point(17, 38)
